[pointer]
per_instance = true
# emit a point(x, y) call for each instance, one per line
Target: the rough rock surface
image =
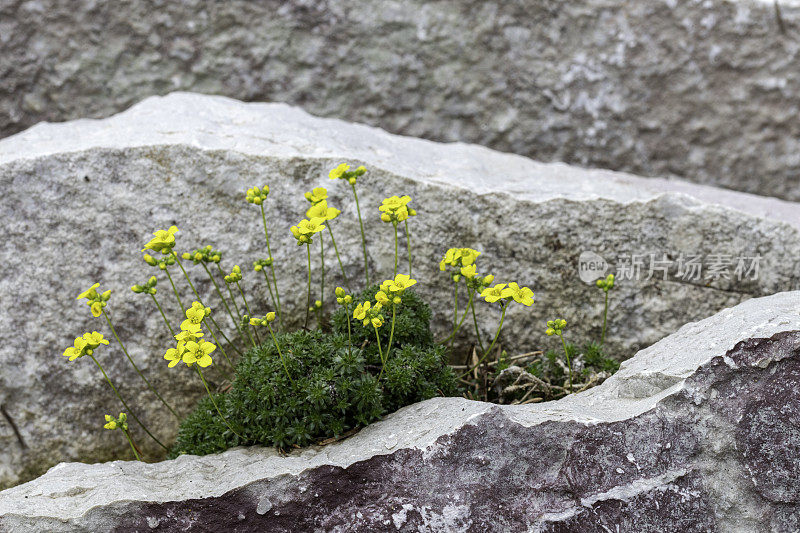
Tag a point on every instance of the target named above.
point(704, 90)
point(698, 432)
point(81, 198)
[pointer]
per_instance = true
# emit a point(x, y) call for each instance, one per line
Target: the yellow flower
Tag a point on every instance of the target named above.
point(198, 353)
point(382, 298)
point(521, 295)
point(162, 240)
point(376, 322)
point(94, 339)
point(493, 294)
point(468, 256)
point(360, 312)
point(90, 293)
point(339, 171)
point(111, 422)
point(312, 226)
point(97, 309)
point(321, 210)
point(400, 283)
point(197, 313)
point(394, 203)
point(317, 195)
point(468, 271)
point(189, 330)
point(174, 355)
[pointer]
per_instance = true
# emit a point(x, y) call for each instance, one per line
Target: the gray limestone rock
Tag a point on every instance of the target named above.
point(698, 432)
point(703, 90)
point(81, 198)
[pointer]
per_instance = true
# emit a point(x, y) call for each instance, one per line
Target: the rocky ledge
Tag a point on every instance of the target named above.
point(81, 198)
point(698, 432)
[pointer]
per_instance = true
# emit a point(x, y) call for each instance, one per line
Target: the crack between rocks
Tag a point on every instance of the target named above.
point(13, 427)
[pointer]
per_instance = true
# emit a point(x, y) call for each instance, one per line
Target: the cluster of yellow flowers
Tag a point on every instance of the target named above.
point(390, 293)
point(85, 345)
point(395, 209)
point(342, 298)
point(121, 422)
point(235, 275)
point(555, 327)
point(268, 318)
point(95, 300)
point(255, 195)
point(305, 229)
point(149, 287)
point(512, 291)
point(163, 241)
point(343, 172)
point(261, 264)
point(190, 348)
point(206, 254)
point(163, 263)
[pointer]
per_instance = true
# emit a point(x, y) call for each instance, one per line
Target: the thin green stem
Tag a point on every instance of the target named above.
point(135, 453)
point(280, 354)
point(408, 243)
point(391, 333)
point(175, 292)
point(349, 336)
point(225, 355)
point(569, 364)
point(487, 352)
point(477, 331)
point(336, 249)
point(172, 332)
point(380, 352)
point(200, 300)
point(247, 307)
point(230, 292)
point(455, 309)
point(308, 296)
point(322, 282)
point(277, 300)
point(200, 373)
point(605, 317)
point(396, 249)
point(363, 237)
point(460, 322)
point(125, 351)
point(219, 293)
point(269, 285)
point(125, 404)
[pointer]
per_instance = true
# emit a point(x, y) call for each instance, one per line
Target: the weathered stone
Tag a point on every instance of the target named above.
point(695, 433)
point(703, 90)
point(81, 198)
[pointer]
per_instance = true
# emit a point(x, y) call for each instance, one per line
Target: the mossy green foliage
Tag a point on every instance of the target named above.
point(412, 323)
point(333, 390)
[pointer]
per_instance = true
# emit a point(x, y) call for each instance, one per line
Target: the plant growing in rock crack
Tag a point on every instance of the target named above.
point(374, 355)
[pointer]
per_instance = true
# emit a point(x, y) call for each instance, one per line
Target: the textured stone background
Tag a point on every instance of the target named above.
point(81, 198)
point(704, 90)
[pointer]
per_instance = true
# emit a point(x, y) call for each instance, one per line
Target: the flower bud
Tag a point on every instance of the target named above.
point(550, 332)
point(361, 170)
point(397, 300)
point(352, 181)
point(162, 266)
point(348, 299)
point(318, 304)
point(386, 218)
point(138, 289)
point(255, 322)
point(152, 282)
point(186, 255)
point(270, 316)
point(216, 258)
point(265, 189)
point(106, 295)
point(307, 196)
point(339, 292)
point(268, 261)
point(488, 279)
point(198, 256)
point(257, 200)
point(412, 212)
point(257, 267)
point(149, 260)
